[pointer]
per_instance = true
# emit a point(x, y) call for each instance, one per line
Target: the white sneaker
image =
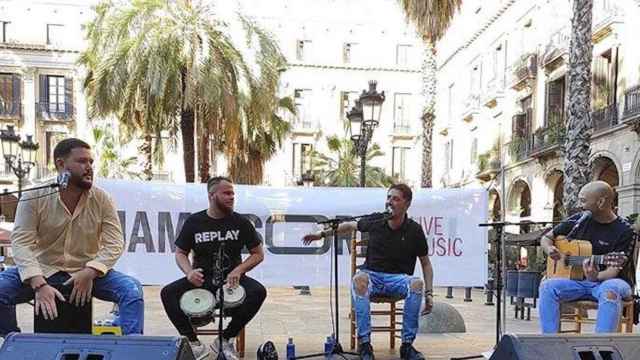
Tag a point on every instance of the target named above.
point(228, 349)
point(199, 350)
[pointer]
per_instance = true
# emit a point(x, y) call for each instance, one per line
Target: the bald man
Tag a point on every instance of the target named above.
point(607, 233)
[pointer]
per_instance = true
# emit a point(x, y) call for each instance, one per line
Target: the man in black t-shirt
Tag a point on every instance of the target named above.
point(607, 233)
point(395, 242)
point(201, 235)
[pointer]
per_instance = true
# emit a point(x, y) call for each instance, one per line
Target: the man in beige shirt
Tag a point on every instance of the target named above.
point(71, 237)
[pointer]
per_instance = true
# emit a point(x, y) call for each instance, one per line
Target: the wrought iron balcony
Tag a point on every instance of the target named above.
point(524, 70)
point(521, 146)
point(55, 111)
point(605, 118)
point(10, 109)
point(631, 103)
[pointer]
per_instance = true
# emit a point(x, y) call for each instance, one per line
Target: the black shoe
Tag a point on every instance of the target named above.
point(408, 352)
point(366, 351)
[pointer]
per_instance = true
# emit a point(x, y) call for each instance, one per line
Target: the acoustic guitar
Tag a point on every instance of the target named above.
point(575, 252)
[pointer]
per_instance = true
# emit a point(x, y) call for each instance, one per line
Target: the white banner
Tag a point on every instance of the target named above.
point(153, 213)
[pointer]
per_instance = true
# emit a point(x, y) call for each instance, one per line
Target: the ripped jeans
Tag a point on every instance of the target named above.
point(114, 286)
point(608, 294)
point(389, 285)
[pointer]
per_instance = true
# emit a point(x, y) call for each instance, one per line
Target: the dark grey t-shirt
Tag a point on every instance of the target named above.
point(616, 236)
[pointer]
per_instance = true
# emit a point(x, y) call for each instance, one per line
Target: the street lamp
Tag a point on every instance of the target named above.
point(19, 155)
point(364, 117)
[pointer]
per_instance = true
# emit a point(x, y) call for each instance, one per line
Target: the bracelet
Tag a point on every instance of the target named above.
point(35, 289)
point(428, 293)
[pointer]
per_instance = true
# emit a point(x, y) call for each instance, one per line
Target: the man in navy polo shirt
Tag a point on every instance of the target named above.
point(394, 245)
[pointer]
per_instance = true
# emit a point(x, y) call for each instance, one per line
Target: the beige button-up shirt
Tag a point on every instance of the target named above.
point(48, 238)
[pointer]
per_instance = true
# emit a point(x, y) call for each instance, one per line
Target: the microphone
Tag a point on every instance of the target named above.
point(387, 214)
point(63, 179)
point(586, 215)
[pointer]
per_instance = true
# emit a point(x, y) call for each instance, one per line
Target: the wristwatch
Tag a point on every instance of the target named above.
point(35, 289)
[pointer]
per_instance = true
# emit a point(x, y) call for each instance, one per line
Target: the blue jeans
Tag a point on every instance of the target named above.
point(388, 285)
point(113, 287)
point(608, 294)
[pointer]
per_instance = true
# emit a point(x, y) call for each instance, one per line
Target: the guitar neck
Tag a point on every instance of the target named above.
point(578, 260)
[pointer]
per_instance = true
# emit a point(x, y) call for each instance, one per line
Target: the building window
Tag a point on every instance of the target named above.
point(54, 34)
point(301, 161)
point(402, 54)
point(448, 154)
point(401, 113)
point(9, 94)
point(604, 79)
point(302, 98)
point(555, 102)
point(348, 50)
point(474, 150)
point(399, 162)
point(347, 101)
point(4, 31)
point(56, 94)
point(302, 49)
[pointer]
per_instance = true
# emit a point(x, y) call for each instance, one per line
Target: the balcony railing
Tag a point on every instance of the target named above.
point(401, 128)
point(525, 68)
point(10, 108)
point(631, 102)
point(557, 46)
point(548, 137)
point(521, 147)
point(605, 118)
point(55, 111)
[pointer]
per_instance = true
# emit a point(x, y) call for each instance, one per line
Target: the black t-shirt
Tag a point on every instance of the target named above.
point(202, 234)
point(616, 236)
point(393, 251)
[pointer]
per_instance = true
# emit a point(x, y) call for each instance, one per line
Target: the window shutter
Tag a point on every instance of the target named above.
point(68, 96)
point(16, 104)
point(44, 93)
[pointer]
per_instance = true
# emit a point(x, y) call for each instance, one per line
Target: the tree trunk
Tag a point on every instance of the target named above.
point(577, 170)
point(187, 130)
point(429, 84)
point(203, 150)
point(146, 149)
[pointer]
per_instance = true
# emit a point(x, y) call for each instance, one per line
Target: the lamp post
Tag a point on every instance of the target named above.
point(19, 155)
point(364, 117)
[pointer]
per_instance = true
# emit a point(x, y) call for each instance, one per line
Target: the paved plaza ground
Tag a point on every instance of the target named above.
point(307, 319)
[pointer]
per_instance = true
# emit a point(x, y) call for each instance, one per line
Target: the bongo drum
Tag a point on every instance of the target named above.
point(198, 305)
point(233, 297)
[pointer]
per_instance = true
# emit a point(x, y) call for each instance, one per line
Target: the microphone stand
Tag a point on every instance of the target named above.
point(218, 270)
point(48, 186)
point(334, 223)
point(498, 270)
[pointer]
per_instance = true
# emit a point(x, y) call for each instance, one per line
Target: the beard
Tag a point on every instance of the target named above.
point(224, 208)
point(81, 182)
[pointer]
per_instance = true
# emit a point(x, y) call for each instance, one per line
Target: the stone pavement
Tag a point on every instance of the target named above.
point(307, 319)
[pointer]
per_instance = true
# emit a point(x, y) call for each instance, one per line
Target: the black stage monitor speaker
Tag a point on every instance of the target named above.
point(88, 347)
point(568, 347)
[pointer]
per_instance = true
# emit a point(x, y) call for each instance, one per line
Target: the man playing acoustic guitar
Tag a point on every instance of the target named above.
point(606, 284)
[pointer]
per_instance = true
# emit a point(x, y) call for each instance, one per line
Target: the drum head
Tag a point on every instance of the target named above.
point(197, 302)
point(233, 297)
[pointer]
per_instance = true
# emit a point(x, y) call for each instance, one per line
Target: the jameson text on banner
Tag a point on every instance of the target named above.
point(152, 215)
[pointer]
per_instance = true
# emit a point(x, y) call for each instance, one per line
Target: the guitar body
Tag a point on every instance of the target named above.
point(560, 269)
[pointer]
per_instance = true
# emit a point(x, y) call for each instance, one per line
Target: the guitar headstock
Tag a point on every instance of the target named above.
point(614, 259)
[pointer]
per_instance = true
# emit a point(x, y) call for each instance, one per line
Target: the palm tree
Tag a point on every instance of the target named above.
point(577, 149)
point(345, 170)
point(261, 143)
point(111, 162)
point(167, 65)
point(431, 18)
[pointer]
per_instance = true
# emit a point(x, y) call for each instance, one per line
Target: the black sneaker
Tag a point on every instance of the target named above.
point(366, 351)
point(408, 352)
